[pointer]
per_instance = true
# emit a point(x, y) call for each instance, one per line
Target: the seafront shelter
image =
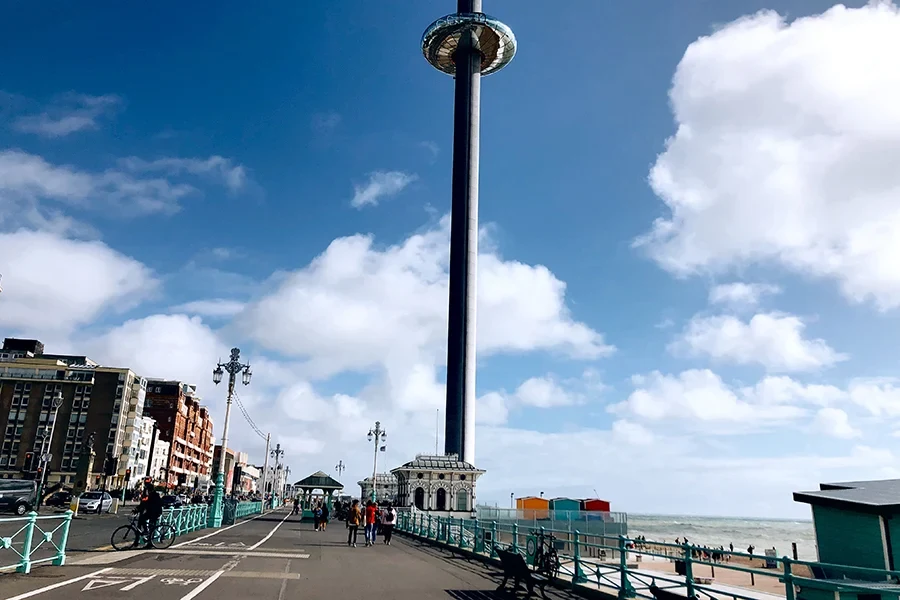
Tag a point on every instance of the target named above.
point(857, 523)
point(316, 487)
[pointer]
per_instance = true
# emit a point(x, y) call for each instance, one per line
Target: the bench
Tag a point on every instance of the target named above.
point(661, 594)
point(515, 567)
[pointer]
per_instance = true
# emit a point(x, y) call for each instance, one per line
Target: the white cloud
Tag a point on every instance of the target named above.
point(544, 392)
point(783, 151)
point(492, 409)
point(741, 295)
point(217, 307)
point(233, 176)
point(773, 340)
point(53, 285)
point(834, 422)
point(700, 397)
point(381, 184)
point(365, 307)
point(68, 114)
point(632, 434)
point(880, 397)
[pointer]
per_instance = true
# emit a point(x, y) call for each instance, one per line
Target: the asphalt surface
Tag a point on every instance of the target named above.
point(269, 557)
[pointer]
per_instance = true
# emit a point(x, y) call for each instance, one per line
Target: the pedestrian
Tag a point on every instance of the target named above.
point(388, 520)
point(317, 516)
point(325, 513)
point(371, 512)
point(353, 519)
point(296, 506)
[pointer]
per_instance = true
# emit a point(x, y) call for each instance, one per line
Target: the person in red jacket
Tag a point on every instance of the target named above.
point(371, 510)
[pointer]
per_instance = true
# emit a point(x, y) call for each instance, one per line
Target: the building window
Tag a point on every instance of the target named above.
point(462, 500)
point(420, 498)
point(441, 499)
point(419, 475)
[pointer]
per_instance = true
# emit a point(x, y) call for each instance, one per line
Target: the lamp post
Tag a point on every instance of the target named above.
point(511, 496)
point(46, 443)
point(232, 367)
point(286, 485)
point(340, 468)
point(379, 435)
point(277, 453)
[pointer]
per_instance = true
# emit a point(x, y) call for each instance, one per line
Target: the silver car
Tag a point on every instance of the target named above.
point(95, 502)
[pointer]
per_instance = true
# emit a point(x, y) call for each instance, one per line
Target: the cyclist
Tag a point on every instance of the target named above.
point(150, 509)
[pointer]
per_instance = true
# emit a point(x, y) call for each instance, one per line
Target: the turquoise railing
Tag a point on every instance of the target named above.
point(38, 540)
point(186, 519)
point(245, 509)
point(619, 568)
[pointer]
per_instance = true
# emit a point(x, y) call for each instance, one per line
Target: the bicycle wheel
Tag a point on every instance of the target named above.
point(124, 538)
point(163, 536)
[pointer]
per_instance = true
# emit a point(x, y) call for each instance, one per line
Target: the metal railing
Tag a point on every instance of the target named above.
point(186, 519)
point(34, 540)
point(245, 509)
point(625, 567)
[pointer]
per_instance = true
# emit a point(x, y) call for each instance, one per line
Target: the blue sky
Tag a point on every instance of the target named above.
point(195, 163)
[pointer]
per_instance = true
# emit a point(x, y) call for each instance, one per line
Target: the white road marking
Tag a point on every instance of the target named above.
point(239, 554)
point(271, 533)
point(57, 585)
point(128, 588)
point(218, 531)
point(193, 593)
point(287, 570)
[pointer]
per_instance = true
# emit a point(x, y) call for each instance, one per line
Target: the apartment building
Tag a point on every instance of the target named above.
point(95, 401)
point(188, 428)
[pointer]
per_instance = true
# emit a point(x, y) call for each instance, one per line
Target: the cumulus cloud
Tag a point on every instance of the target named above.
point(773, 340)
point(741, 295)
point(381, 184)
point(68, 114)
point(53, 285)
point(835, 422)
point(217, 307)
point(783, 151)
point(35, 192)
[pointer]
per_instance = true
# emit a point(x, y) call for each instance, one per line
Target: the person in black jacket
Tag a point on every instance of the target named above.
point(149, 510)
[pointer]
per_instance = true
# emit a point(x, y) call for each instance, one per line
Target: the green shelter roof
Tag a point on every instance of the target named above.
point(879, 497)
point(320, 480)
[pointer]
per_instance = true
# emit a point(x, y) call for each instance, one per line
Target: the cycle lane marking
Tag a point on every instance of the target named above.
point(271, 533)
point(218, 531)
point(58, 585)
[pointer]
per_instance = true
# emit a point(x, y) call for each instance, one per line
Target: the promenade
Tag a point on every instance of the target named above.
point(270, 557)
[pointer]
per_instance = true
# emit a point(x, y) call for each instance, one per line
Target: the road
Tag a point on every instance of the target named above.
point(269, 557)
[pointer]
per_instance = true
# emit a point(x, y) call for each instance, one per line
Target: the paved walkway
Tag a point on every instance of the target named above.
point(269, 557)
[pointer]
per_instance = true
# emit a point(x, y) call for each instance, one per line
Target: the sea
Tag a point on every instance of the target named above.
point(720, 531)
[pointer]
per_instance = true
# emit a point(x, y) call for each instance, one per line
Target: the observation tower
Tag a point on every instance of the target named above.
point(467, 45)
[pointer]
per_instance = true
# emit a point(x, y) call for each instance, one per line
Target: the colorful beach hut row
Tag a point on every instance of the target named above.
point(536, 503)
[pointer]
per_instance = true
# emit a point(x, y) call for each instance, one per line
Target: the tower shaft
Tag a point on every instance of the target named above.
point(459, 437)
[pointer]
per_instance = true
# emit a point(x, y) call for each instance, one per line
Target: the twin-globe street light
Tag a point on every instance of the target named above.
point(46, 443)
point(232, 367)
point(379, 435)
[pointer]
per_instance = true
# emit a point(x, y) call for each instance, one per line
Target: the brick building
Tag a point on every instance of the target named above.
point(188, 428)
point(96, 400)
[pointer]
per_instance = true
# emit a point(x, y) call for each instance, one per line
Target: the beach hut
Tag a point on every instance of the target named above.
point(565, 508)
point(532, 507)
point(857, 524)
point(595, 505)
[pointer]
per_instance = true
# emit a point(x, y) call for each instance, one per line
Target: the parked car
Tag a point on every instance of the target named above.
point(171, 502)
point(17, 495)
point(95, 502)
point(60, 500)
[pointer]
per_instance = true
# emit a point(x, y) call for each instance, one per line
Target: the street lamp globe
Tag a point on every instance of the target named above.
point(57, 401)
point(383, 435)
point(370, 435)
point(247, 375)
point(217, 375)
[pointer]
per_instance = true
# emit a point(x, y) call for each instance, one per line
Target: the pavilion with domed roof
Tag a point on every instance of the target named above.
point(442, 485)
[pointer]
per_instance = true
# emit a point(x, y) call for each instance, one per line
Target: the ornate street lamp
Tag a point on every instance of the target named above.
point(232, 367)
point(378, 435)
point(46, 443)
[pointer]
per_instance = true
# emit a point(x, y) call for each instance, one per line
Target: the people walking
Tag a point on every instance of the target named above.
point(371, 512)
point(325, 513)
point(296, 506)
point(353, 519)
point(388, 520)
point(317, 516)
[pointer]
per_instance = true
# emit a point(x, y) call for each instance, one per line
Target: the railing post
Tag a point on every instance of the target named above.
point(624, 585)
point(25, 564)
point(515, 534)
point(689, 570)
point(579, 576)
point(63, 540)
point(475, 537)
point(788, 579)
point(493, 539)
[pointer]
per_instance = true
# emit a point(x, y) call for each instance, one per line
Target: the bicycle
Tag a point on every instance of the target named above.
point(128, 537)
point(546, 558)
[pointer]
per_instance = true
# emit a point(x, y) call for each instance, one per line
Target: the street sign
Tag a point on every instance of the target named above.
point(46, 457)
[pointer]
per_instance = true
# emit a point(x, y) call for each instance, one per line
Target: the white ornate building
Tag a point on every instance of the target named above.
point(441, 485)
point(385, 490)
